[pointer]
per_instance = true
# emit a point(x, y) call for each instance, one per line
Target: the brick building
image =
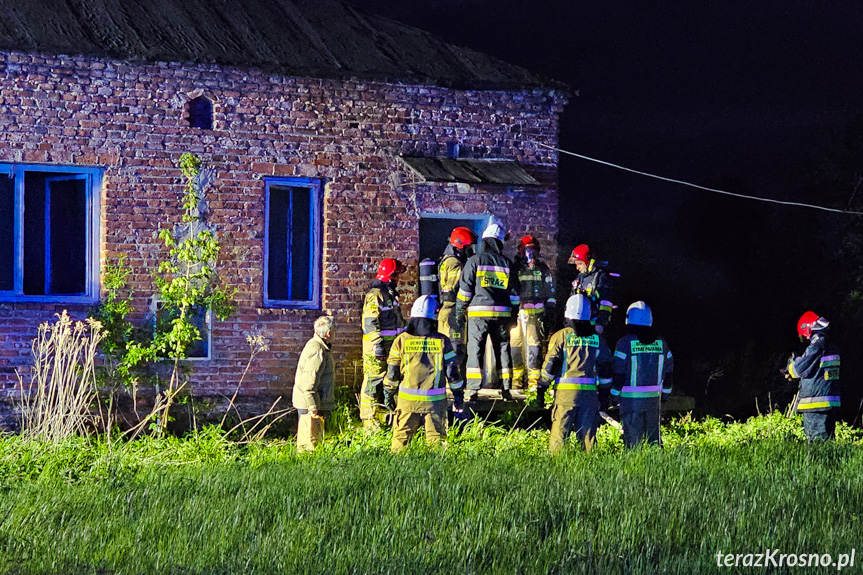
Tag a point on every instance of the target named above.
point(328, 131)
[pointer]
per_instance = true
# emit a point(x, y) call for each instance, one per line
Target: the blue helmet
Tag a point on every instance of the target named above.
point(639, 314)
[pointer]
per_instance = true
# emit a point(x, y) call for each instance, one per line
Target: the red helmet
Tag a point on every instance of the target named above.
point(462, 237)
point(389, 268)
point(809, 322)
point(528, 242)
point(581, 253)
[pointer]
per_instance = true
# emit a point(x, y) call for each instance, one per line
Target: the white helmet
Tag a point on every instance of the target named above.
point(495, 230)
point(639, 314)
point(425, 306)
point(578, 308)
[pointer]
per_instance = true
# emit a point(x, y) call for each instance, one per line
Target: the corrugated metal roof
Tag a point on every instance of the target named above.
point(471, 171)
point(317, 38)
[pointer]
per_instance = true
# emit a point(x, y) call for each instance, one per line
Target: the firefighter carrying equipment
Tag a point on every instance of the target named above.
point(578, 367)
point(811, 322)
point(596, 284)
point(818, 371)
point(488, 297)
point(389, 269)
point(643, 372)
point(536, 293)
point(578, 308)
point(382, 322)
point(420, 366)
point(428, 277)
point(425, 306)
point(639, 314)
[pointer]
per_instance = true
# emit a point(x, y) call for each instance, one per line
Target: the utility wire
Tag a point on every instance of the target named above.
point(714, 190)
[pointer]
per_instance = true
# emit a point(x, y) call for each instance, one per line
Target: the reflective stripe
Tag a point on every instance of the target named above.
point(659, 372)
point(501, 269)
point(488, 311)
point(640, 391)
point(577, 380)
point(551, 301)
point(791, 371)
point(633, 377)
point(432, 278)
point(382, 308)
point(456, 384)
point(829, 358)
point(615, 391)
point(372, 335)
point(666, 390)
point(620, 354)
point(604, 381)
point(474, 373)
point(575, 387)
point(391, 332)
point(539, 305)
point(366, 400)
point(819, 402)
point(464, 295)
point(449, 356)
point(546, 375)
point(422, 394)
point(390, 383)
point(606, 303)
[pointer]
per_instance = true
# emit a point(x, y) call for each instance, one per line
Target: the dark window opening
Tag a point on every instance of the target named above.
point(201, 113)
point(292, 258)
point(7, 233)
point(435, 231)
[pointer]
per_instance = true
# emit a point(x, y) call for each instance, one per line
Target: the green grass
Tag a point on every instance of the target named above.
point(493, 502)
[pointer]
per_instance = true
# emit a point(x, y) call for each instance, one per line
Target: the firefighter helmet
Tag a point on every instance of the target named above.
point(581, 253)
point(462, 237)
point(389, 269)
point(495, 230)
point(811, 322)
point(578, 308)
point(528, 242)
point(639, 314)
point(425, 306)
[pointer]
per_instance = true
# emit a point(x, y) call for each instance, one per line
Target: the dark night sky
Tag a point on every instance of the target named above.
point(737, 95)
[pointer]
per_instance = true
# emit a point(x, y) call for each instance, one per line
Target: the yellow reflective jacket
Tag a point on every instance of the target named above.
point(577, 366)
point(382, 319)
point(420, 367)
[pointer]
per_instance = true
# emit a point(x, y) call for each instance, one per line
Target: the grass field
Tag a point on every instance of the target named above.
point(493, 502)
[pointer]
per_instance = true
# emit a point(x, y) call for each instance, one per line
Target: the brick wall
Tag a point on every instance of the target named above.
point(132, 120)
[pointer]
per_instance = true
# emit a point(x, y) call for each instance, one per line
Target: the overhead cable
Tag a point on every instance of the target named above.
point(714, 190)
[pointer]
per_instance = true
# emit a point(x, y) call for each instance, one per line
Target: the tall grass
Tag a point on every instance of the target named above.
point(492, 501)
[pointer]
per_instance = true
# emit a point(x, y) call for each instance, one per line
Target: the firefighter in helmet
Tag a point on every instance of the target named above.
point(382, 322)
point(461, 244)
point(488, 298)
point(536, 285)
point(593, 281)
point(578, 364)
point(420, 364)
point(818, 372)
point(643, 368)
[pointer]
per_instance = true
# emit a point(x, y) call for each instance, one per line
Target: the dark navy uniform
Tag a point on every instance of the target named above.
point(818, 371)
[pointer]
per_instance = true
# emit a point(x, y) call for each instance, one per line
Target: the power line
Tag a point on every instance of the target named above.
point(691, 185)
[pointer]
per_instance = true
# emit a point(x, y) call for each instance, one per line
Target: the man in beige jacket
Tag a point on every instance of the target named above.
point(314, 385)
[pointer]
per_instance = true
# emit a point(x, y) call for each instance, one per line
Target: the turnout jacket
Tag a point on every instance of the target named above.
point(641, 370)
point(420, 366)
point(488, 288)
point(818, 371)
point(449, 272)
point(536, 287)
point(595, 283)
point(382, 318)
point(314, 380)
point(578, 366)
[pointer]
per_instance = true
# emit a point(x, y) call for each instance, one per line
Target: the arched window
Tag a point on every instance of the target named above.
point(201, 113)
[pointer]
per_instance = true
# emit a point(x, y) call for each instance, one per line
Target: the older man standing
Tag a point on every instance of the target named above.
point(314, 385)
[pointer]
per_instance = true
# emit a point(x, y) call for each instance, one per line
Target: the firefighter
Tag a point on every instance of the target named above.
point(382, 322)
point(643, 368)
point(488, 296)
point(461, 244)
point(818, 372)
point(314, 385)
point(578, 363)
point(420, 364)
point(536, 285)
point(593, 281)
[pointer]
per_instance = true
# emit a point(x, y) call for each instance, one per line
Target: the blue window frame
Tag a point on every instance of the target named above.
point(49, 221)
point(292, 244)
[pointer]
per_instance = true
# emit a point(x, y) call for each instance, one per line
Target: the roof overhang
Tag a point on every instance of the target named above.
point(470, 171)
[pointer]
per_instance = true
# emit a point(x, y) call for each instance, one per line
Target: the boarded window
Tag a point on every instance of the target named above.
point(201, 113)
point(292, 276)
point(47, 252)
point(436, 228)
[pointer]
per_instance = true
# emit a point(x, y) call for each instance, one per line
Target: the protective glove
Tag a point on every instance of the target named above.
point(390, 398)
point(458, 401)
